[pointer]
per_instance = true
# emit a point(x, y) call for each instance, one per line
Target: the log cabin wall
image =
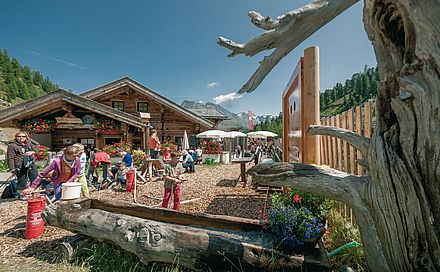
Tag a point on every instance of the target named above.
point(65, 137)
point(168, 122)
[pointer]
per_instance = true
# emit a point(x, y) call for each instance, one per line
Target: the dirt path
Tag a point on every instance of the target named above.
point(216, 186)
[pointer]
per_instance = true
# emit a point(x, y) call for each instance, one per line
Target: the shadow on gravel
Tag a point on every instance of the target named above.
point(16, 231)
point(47, 250)
point(227, 183)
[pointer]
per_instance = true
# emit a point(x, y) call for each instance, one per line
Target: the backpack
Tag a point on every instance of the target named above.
point(11, 190)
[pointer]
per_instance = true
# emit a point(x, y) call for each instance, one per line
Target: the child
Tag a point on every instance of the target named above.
point(121, 176)
point(166, 156)
point(173, 177)
point(66, 168)
point(82, 177)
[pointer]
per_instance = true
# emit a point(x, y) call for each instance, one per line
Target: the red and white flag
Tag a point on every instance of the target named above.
point(251, 121)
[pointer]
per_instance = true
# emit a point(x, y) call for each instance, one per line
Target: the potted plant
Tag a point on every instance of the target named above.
point(114, 149)
point(138, 157)
point(41, 156)
point(297, 219)
point(211, 150)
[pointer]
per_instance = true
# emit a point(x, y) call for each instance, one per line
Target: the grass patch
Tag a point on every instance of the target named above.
point(104, 256)
point(341, 233)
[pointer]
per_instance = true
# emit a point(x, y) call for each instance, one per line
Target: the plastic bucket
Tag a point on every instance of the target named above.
point(34, 222)
point(70, 190)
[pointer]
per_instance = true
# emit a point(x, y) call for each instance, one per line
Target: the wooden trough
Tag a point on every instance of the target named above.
point(201, 242)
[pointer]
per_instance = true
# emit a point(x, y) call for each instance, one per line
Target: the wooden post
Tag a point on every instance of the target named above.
point(344, 143)
point(243, 173)
point(359, 131)
point(330, 146)
point(310, 105)
point(350, 127)
point(334, 144)
point(324, 140)
point(339, 142)
point(367, 119)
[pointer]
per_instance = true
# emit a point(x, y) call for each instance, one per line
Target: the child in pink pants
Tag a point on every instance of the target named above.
point(172, 179)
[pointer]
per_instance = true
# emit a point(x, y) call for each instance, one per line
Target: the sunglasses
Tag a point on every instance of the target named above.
point(21, 136)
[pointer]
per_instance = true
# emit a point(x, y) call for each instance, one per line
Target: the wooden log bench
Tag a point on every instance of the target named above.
point(201, 242)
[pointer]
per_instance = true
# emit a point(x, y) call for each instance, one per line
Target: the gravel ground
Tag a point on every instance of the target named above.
point(216, 186)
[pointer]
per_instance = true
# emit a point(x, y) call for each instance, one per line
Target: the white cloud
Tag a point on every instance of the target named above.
point(226, 97)
point(212, 84)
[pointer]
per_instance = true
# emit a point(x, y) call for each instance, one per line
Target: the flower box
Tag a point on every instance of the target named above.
point(214, 157)
point(110, 132)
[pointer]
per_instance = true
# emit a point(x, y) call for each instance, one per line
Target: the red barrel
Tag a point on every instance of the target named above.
point(34, 222)
point(129, 178)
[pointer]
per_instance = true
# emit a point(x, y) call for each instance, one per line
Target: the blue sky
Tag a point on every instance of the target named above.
point(170, 46)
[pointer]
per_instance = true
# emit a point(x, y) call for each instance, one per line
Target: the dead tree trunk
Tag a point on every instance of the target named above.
point(398, 206)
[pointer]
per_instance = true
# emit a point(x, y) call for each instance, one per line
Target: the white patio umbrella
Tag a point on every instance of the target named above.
point(261, 134)
point(212, 134)
point(185, 143)
point(235, 134)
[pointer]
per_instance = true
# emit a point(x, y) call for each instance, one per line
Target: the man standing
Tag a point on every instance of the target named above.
point(20, 161)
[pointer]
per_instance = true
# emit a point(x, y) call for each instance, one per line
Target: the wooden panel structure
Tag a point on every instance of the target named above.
point(339, 154)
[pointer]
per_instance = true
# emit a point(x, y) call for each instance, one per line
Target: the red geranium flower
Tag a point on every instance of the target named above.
point(297, 199)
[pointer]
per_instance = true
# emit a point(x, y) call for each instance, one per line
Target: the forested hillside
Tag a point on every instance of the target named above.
point(19, 83)
point(361, 87)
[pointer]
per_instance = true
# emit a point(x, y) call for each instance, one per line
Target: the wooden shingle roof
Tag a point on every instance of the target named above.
point(60, 95)
point(95, 93)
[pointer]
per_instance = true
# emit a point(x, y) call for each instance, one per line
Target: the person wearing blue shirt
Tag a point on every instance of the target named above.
point(126, 158)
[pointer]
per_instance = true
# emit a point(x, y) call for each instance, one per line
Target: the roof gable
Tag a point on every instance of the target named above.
point(95, 93)
point(13, 112)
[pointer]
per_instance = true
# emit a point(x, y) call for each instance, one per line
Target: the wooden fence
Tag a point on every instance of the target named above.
point(339, 154)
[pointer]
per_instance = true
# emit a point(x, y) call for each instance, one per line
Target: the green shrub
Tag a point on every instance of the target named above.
point(2, 152)
point(341, 233)
point(4, 166)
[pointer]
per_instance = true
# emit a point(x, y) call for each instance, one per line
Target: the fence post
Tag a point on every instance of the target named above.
point(360, 169)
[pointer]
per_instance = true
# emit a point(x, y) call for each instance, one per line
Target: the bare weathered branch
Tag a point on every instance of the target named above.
point(360, 142)
point(262, 22)
point(320, 180)
point(285, 33)
point(266, 65)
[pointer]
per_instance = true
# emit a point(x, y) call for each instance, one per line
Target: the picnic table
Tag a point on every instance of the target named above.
point(242, 162)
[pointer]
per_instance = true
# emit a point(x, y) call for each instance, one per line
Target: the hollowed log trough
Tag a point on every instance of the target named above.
point(201, 242)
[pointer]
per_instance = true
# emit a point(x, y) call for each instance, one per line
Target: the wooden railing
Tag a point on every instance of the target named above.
point(339, 154)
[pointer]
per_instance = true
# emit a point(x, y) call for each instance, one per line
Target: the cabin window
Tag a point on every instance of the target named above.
point(142, 106)
point(119, 105)
point(110, 141)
